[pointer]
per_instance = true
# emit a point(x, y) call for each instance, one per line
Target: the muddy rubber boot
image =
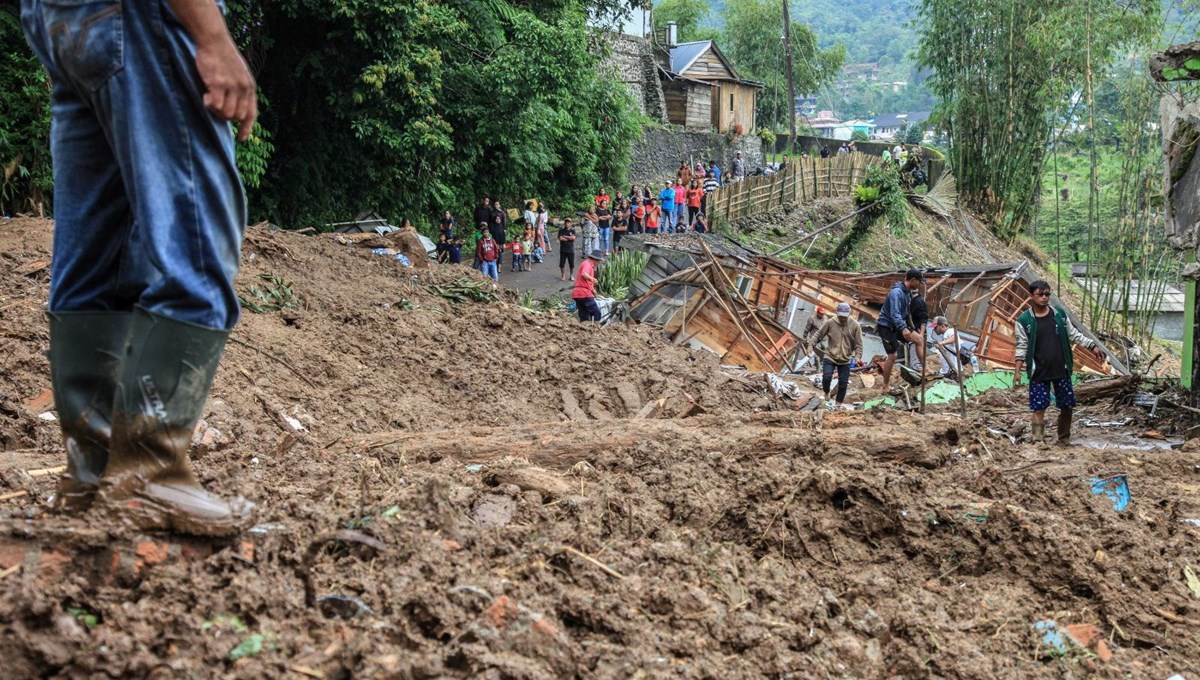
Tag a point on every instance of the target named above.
point(1064, 427)
point(164, 383)
point(86, 349)
point(1037, 433)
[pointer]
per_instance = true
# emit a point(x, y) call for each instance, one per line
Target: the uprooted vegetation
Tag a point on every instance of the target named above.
point(476, 490)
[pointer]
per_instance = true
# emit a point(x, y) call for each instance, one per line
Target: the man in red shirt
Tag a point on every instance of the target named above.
point(584, 293)
point(653, 212)
point(487, 251)
point(681, 213)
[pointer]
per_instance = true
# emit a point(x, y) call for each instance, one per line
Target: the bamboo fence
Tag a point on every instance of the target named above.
point(805, 179)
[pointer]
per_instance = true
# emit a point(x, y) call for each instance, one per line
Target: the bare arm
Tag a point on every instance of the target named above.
point(229, 88)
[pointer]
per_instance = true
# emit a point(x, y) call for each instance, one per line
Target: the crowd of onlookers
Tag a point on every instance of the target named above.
point(679, 206)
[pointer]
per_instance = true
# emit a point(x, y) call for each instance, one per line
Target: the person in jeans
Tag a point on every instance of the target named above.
point(666, 199)
point(584, 292)
point(680, 213)
point(844, 346)
point(604, 221)
point(149, 216)
point(1045, 335)
point(487, 252)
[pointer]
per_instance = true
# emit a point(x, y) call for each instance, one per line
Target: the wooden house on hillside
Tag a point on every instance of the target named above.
point(703, 89)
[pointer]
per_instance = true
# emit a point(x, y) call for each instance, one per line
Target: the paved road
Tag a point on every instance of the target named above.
point(542, 280)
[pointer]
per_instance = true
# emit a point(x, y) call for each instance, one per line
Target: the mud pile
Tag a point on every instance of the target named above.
point(473, 490)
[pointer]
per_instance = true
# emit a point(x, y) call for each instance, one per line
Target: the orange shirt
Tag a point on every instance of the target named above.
point(694, 196)
point(652, 217)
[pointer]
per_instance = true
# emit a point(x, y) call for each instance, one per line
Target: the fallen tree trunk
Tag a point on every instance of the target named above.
point(1108, 388)
point(562, 444)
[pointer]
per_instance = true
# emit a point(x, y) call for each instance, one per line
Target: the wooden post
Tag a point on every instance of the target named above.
point(962, 390)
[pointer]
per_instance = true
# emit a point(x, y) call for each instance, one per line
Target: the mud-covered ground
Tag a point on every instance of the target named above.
point(530, 498)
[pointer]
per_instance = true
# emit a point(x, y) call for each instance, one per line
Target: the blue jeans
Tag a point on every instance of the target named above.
point(843, 373)
point(606, 242)
point(148, 206)
point(490, 269)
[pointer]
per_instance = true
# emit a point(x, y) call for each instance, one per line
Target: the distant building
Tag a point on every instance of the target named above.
point(847, 129)
point(823, 123)
point(1164, 302)
point(888, 124)
point(806, 105)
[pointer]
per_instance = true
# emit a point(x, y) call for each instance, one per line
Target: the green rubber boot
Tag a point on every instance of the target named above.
point(159, 398)
point(86, 350)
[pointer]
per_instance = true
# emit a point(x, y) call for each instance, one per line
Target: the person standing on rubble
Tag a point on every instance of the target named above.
point(844, 345)
point(1044, 338)
point(584, 292)
point(892, 324)
point(149, 218)
point(566, 250)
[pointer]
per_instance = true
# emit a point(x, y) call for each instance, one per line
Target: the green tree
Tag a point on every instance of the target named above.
point(752, 39)
point(25, 174)
point(687, 14)
point(412, 108)
point(913, 134)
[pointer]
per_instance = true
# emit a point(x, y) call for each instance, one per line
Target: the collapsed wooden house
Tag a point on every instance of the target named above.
point(711, 293)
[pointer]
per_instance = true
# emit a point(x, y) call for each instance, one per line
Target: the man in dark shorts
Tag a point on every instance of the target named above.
point(566, 250)
point(892, 325)
point(1044, 338)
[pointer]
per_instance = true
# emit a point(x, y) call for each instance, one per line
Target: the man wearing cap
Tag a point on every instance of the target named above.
point(814, 324)
point(1044, 338)
point(844, 344)
point(944, 339)
point(892, 325)
point(584, 293)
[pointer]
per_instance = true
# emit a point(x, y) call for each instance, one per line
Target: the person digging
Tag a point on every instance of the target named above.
point(1044, 338)
point(892, 325)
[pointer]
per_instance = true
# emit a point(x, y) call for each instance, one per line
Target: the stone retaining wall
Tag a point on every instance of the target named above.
point(657, 154)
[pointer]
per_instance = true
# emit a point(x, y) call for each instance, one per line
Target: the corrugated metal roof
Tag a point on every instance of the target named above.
point(683, 54)
point(1161, 297)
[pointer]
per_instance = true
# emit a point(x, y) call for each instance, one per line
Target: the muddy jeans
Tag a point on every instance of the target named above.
point(149, 209)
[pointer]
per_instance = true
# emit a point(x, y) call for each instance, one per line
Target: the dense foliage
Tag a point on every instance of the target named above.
point(1001, 71)
point(408, 108)
point(24, 130)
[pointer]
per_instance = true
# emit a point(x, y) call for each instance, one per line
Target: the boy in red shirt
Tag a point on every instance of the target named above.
point(584, 293)
point(517, 252)
point(637, 217)
point(695, 194)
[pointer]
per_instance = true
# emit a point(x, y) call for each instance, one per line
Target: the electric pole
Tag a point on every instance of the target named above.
point(791, 81)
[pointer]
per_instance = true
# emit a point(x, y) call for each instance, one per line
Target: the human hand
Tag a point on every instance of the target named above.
point(230, 90)
point(1100, 355)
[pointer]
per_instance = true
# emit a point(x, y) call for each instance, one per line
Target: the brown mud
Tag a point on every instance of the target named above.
point(475, 490)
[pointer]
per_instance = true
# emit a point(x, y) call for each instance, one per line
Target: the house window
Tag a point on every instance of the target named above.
point(731, 102)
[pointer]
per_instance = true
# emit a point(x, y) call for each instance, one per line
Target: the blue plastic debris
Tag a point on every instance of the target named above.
point(1116, 489)
point(1051, 637)
point(474, 467)
point(403, 259)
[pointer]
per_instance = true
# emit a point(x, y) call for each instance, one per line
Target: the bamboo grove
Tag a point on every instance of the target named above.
point(1001, 70)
